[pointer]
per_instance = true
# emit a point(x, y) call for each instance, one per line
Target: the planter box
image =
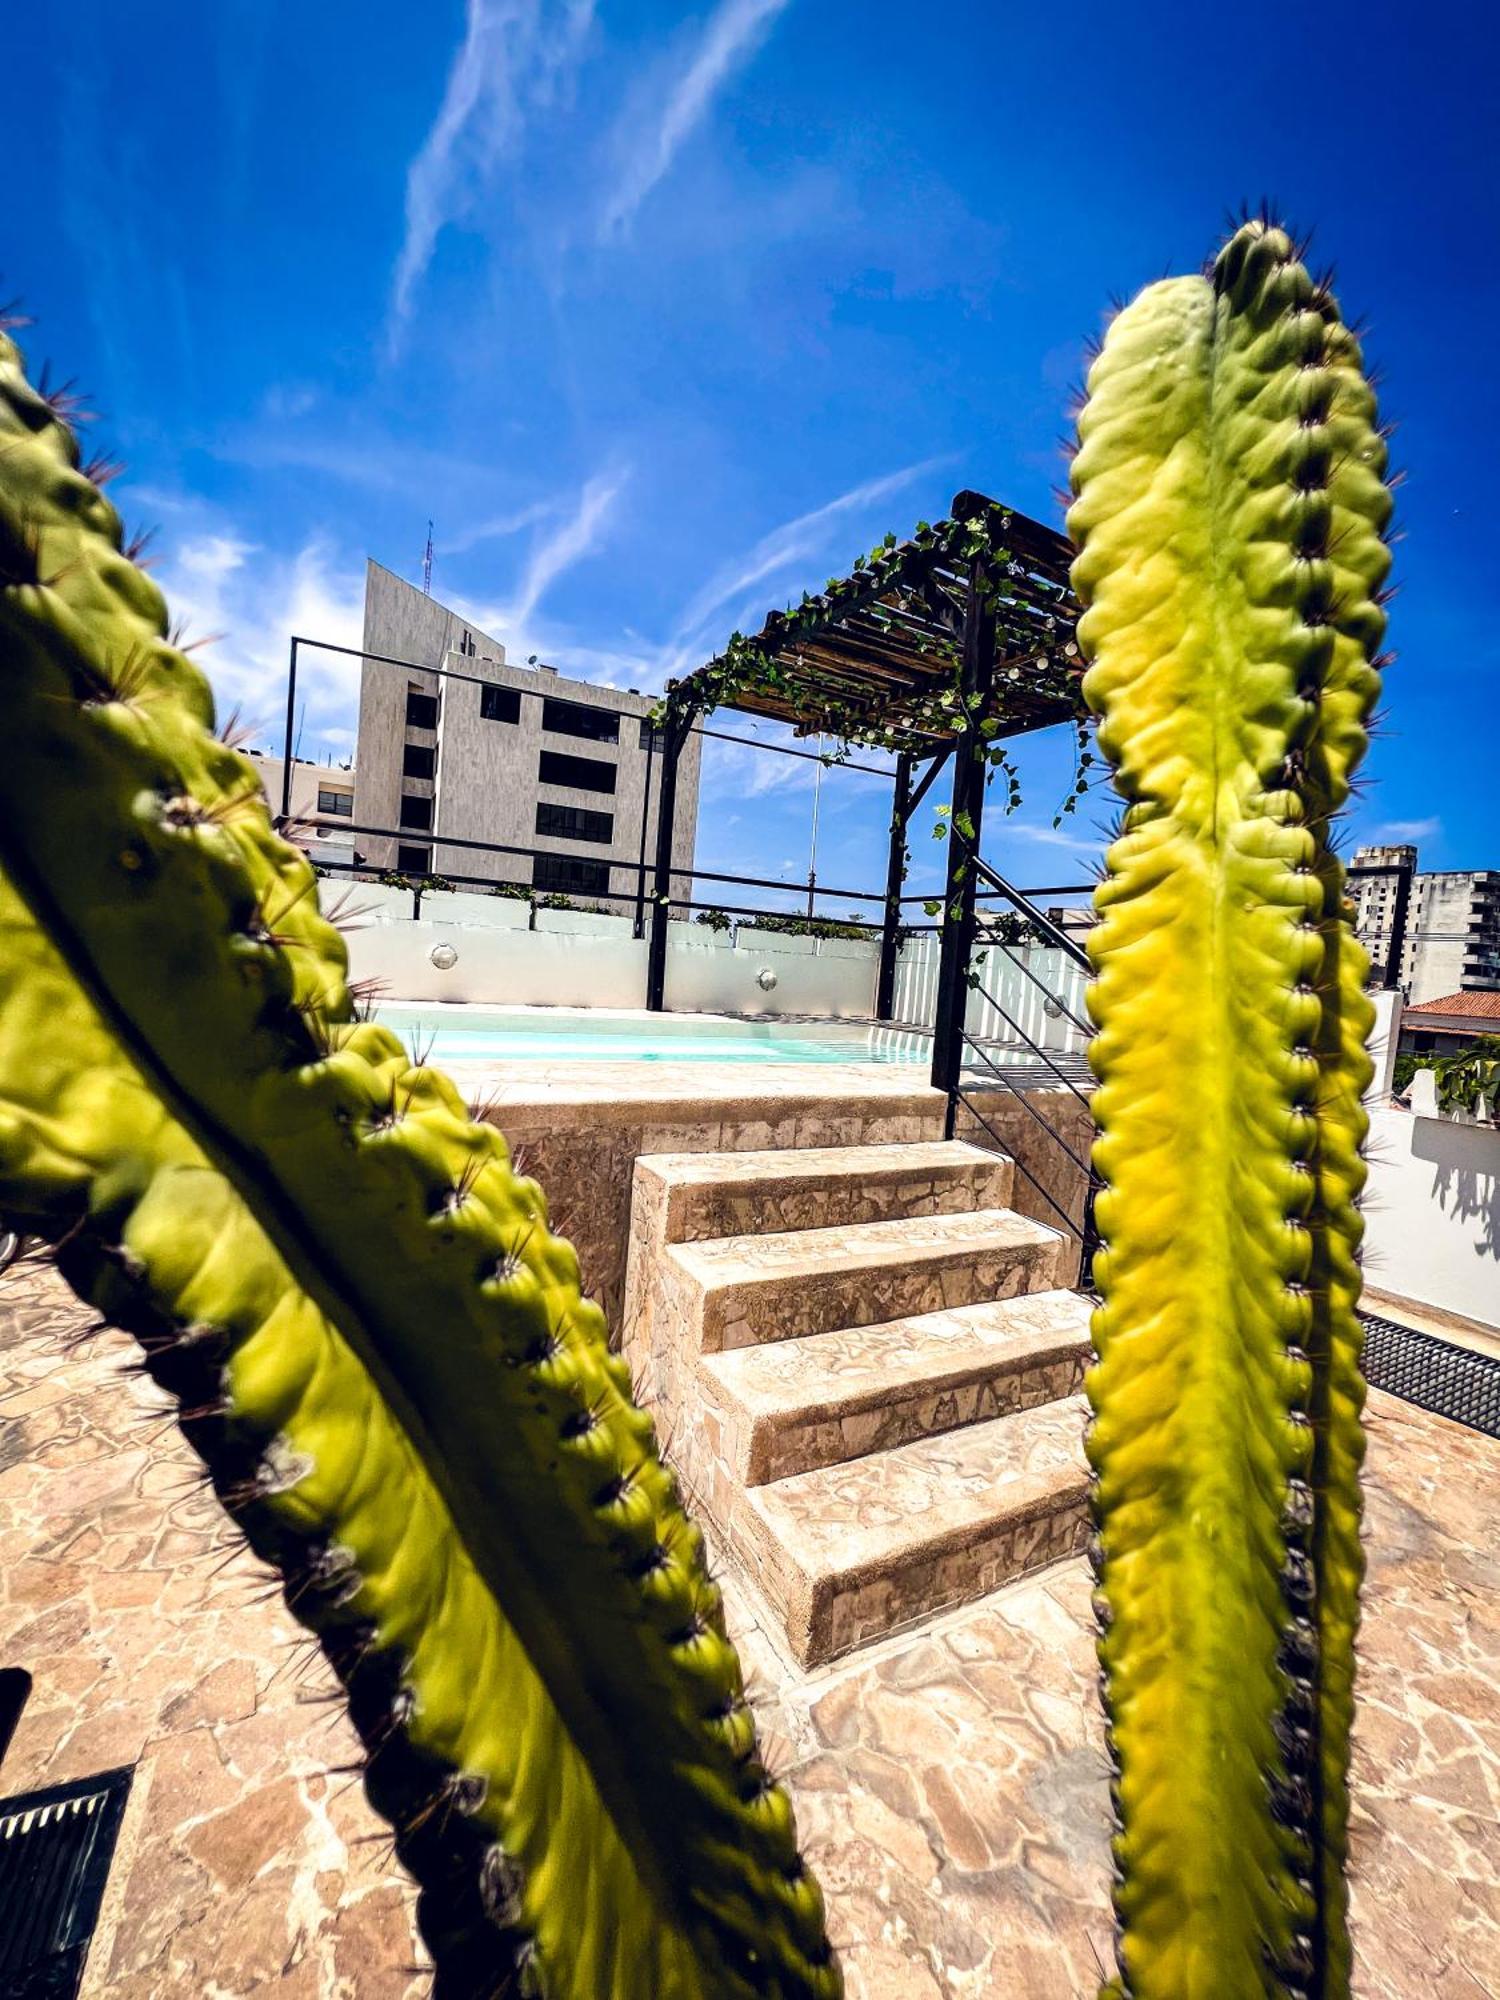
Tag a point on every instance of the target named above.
point(476, 911)
point(866, 950)
point(377, 902)
point(582, 923)
point(748, 938)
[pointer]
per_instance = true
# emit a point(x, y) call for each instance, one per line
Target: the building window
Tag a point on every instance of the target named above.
point(576, 718)
point(414, 860)
point(578, 774)
point(55, 1850)
point(574, 822)
point(340, 803)
point(565, 875)
point(421, 710)
point(652, 738)
point(416, 811)
point(419, 760)
point(500, 704)
point(467, 647)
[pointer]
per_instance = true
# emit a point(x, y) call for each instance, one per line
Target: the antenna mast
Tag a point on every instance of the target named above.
point(427, 564)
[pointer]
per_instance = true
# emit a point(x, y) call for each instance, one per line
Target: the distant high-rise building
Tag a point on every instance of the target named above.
point(1452, 940)
point(517, 755)
point(1377, 901)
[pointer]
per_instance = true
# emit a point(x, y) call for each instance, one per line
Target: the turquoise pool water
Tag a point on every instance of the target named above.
point(557, 1035)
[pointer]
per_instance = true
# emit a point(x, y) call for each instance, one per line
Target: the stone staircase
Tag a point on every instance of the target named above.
point(864, 1368)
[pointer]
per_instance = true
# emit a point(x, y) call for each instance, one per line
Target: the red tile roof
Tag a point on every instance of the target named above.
point(1481, 1006)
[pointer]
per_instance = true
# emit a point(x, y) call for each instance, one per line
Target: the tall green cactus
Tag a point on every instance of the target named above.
point(1230, 515)
point(382, 1352)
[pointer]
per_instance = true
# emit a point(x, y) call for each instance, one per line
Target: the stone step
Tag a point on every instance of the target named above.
point(817, 1187)
point(793, 1406)
point(852, 1552)
point(739, 1290)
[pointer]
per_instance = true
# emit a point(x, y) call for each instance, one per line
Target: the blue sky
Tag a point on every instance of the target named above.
point(664, 311)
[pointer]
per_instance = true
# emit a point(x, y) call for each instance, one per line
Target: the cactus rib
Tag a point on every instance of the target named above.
point(156, 1240)
point(388, 1279)
point(1230, 513)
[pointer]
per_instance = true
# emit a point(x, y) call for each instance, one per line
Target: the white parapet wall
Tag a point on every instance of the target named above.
point(1432, 1202)
point(1023, 994)
point(764, 972)
point(496, 950)
point(1432, 1211)
point(520, 968)
point(480, 949)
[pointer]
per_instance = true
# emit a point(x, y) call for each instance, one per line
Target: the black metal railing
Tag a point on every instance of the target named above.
point(654, 895)
point(1016, 1062)
point(323, 823)
point(986, 919)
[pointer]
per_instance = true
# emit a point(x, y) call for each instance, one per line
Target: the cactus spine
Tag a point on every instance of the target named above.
point(408, 1401)
point(1230, 513)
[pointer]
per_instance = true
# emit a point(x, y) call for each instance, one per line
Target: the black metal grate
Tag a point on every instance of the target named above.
point(55, 1850)
point(1434, 1374)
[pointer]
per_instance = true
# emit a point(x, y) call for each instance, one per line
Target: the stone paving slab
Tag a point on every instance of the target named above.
point(788, 1284)
point(855, 1551)
point(795, 1405)
point(246, 1862)
point(815, 1187)
point(952, 1791)
point(592, 1093)
point(950, 1784)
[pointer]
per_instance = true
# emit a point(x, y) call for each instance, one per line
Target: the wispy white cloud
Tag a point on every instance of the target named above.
point(498, 527)
point(794, 544)
point(1047, 836)
point(352, 452)
point(250, 600)
point(286, 402)
point(734, 30)
point(512, 59)
point(738, 771)
point(569, 543)
point(1408, 829)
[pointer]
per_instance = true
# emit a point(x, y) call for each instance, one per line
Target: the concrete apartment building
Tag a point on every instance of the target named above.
point(520, 755)
point(1452, 940)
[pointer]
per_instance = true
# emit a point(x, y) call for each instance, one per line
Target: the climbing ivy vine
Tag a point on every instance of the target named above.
point(1034, 620)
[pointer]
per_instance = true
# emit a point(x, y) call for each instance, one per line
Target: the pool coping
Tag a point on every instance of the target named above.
point(573, 1094)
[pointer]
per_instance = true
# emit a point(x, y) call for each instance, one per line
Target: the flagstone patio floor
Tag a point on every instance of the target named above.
point(950, 1784)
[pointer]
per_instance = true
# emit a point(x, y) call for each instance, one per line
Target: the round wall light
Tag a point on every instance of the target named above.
point(444, 957)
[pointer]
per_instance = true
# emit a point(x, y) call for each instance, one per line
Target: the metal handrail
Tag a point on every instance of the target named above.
point(992, 942)
point(1051, 934)
point(974, 1112)
point(1058, 939)
point(1031, 1110)
point(423, 836)
point(1035, 1047)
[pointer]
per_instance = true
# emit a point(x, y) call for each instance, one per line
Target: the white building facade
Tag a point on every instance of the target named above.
point(322, 793)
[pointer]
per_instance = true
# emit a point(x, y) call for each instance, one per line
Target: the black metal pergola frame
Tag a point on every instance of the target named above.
point(945, 645)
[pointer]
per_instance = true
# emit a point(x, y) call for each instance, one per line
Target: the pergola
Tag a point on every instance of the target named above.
point(947, 644)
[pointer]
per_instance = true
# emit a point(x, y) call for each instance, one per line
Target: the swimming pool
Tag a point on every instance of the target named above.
point(562, 1034)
